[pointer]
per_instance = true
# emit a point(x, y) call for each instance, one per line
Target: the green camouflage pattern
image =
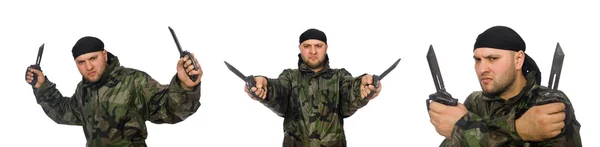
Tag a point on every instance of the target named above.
point(314, 104)
point(113, 111)
point(491, 120)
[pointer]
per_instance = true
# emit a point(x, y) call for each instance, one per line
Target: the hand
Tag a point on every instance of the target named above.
point(260, 88)
point(40, 77)
point(445, 117)
point(541, 122)
point(366, 86)
point(182, 73)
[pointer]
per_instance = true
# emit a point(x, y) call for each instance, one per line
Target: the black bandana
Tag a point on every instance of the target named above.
point(313, 34)
point(87, 44)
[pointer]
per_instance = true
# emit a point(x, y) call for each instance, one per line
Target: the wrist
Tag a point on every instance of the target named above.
point(519, 130)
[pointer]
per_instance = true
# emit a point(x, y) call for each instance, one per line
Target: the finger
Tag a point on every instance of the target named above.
point(194, 72)
point(263, 94)
point(38, 72)
point(437, 107)
point(363, 81)
point(179, 63)
point(186, 57)
point(371, 88)
point(434, 115)
point(369, 80)
point(379, 88)
point(188, 63)
point(553, 134)
point(246, 89)
point(557, 126)
point(253, 89)
point(433, 122)
point(553, 107)
point(190, 68)
point(557, 117)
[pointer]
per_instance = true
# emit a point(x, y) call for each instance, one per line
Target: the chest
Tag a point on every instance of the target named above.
point(317, 95)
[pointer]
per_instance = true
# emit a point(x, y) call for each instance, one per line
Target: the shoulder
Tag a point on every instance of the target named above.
point(129, 74)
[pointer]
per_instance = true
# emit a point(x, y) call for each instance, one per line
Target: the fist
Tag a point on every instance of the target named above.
point(259, 89)
point(445, 117)
point(40, 77)
point(185, 68)
point(541, 122)
point(366, 87)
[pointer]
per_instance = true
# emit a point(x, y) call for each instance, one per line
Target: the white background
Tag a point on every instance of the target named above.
point(261, 38)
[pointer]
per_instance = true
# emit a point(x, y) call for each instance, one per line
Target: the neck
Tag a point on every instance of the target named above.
point(317, 69)
point(515, 88)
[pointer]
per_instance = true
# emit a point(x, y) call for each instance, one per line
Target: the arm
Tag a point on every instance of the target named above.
point(474, 130)
point(166, 103)
point(278, 94)
point(62, 110)
point(350, 93)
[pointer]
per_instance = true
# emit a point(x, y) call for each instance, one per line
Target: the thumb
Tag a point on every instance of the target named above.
point(38, 72)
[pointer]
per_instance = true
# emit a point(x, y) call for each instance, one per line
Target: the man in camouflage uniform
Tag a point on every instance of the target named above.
point(113, 102)
point(503, 113)
point(314, 99)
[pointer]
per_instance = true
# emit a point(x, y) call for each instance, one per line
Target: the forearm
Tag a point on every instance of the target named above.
point(171, 103)
point(473, 130)
point(350, 95)
point(60, 109)
point(277, 97)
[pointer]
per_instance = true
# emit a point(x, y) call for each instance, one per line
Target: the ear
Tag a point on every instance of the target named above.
point(519, 60)
point(104, 53)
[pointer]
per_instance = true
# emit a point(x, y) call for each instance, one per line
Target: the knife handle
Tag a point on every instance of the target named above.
point(443, 98)
point(190, 57)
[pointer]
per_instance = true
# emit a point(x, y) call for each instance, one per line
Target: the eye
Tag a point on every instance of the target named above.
point(80, 62)
point(93, 58)
point(493, 58)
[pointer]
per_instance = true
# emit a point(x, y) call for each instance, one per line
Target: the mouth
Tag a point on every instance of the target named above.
point(485, 80)
point(91, 73)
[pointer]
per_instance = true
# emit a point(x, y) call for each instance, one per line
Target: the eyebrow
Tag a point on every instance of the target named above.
point(487, 56)
point(95, 56)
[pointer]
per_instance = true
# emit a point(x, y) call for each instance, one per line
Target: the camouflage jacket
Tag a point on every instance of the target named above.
point(491, 120)
point(113, 110)
point(314, 104)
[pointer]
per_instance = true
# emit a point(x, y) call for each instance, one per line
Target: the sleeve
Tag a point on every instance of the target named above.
point(474, 130)
point(350, 93)
point(61, 109)
point(278, 93)
point(166, 103)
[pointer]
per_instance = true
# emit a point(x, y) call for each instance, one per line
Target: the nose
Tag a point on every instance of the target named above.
point(483, 67)
point(312, 50)
point(89, 66)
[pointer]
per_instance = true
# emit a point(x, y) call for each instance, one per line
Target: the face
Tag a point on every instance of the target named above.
point(92, 65)
point(313, 53)
point(497, 69)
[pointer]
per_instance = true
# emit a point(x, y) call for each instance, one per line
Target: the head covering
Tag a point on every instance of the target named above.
point(313, 34)
point(505, 38)
point(86, 45)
